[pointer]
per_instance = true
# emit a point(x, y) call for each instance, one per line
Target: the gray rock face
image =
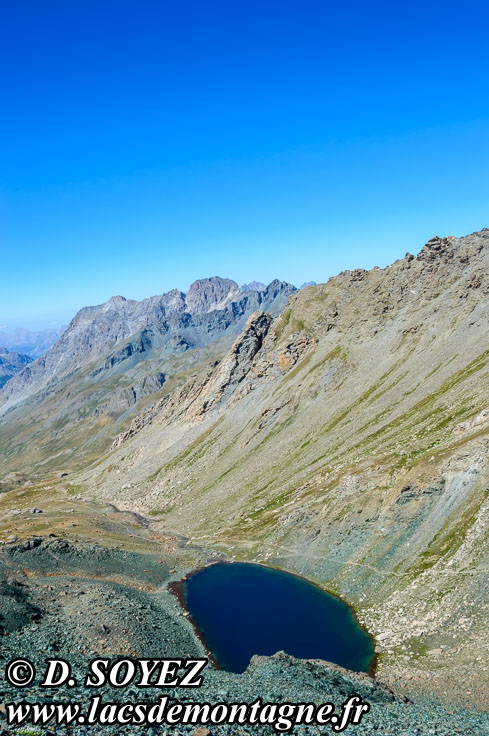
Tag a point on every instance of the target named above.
point(123, 399)
point(212, 307)
point(11, 364)
point(205, 295)
point(235, 366)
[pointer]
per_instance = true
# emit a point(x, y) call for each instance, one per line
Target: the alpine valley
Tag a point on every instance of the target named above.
point(339, 432)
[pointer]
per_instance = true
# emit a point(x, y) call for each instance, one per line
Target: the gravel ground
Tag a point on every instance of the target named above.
point(59, 600)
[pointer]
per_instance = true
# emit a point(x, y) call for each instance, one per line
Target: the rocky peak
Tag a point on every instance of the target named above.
point(276, 287)
point(117, 298)
point(205, 295)
point(444, 249)
point(434, 248)
point(253, 286)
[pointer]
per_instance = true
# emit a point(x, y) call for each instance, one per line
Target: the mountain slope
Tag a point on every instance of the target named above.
point(64, 409)
point(351, 446)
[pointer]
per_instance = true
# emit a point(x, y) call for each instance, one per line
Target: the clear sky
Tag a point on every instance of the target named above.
point(147, 143)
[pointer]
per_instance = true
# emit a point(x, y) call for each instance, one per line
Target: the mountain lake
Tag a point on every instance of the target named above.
point(242, 609)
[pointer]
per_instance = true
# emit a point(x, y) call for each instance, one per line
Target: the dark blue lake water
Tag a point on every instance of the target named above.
point(243, 609)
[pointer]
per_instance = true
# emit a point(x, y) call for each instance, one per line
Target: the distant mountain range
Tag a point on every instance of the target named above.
point(253, 286)
point(30, 342)
point(173, 322)
point(35, 343)
point(11, 364)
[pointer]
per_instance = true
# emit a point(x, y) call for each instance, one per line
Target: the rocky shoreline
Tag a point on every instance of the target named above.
point(78, 601)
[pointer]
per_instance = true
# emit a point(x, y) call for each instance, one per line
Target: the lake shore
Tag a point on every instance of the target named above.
point(111, 602)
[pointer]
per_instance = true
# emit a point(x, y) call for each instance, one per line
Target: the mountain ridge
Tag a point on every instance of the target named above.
point(95, 329)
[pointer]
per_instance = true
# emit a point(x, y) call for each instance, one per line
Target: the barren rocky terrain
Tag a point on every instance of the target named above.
point(62, 595)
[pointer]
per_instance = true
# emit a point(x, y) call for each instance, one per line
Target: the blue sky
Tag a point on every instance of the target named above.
point(145, 144)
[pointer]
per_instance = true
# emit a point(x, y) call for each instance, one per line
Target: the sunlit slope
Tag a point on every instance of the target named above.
point(351, 446)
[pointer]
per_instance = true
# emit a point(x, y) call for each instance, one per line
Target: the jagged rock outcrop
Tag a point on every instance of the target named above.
point(235, 366)
point(199, 395)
